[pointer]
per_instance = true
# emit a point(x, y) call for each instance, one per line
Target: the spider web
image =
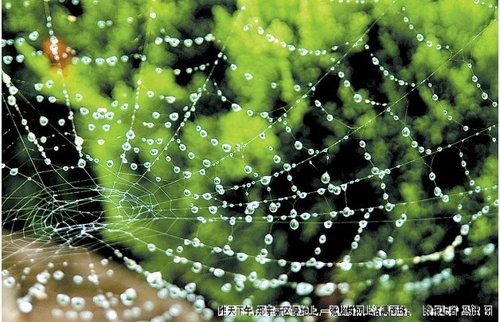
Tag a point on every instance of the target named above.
point(234, 162)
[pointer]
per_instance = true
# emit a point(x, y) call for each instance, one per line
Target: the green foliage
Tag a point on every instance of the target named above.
point(153, 203)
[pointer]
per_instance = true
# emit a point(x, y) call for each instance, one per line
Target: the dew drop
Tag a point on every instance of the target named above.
point(82, 163)
point(218, 272)
point(236, 107)
point(174, 116)
point(62, 299)
point(241, 257)
point(33, 35)
point(295, 267)
point(294, 224)
point(24, 305)
point(155, 279)
point(265, 180)
point(43, 121)
point(325, 178)
point(304, 288)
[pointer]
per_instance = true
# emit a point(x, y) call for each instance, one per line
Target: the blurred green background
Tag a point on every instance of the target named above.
point(390, 77)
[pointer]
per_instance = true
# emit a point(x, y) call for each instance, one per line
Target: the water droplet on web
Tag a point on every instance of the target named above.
point(236, 107)
point(226, 288)
point(13, 90)
point(7, 59)
point(43, 277)
point(197, 266)
point(9, 282)
point(111, 315)
point(305, 216)
point(265, 180)
point(31, 137)
point(268, 239)
point(170, 99)
point(193, 97)
point(294, 224)
point(218, 272)
point(304, 288)
point(130, 134)
point(155, 279)
point(78, 303)
point(174, 116)
point(489, 249)
point(78, 140)
point(325, 289)
point(357, 98)
point(43, 120)
point(226, 148)
point(33, 35)
point(325, 178)
point(86, 315)
point(346, 266)
point(464, 229)
point(82, 163)
point(448, 254)
point(58, 275)
point(24, 305)
point(62, 299)
point(405, 132)
point(11, 100)
point(241, 257)
point(389, 206)
point(77, 279)
point(295, 267)
point(128, 296)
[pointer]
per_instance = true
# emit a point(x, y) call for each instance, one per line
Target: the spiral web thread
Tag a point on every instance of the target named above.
point(137, 157)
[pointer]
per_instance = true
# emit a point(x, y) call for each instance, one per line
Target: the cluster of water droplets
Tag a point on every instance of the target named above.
point(158, 143)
